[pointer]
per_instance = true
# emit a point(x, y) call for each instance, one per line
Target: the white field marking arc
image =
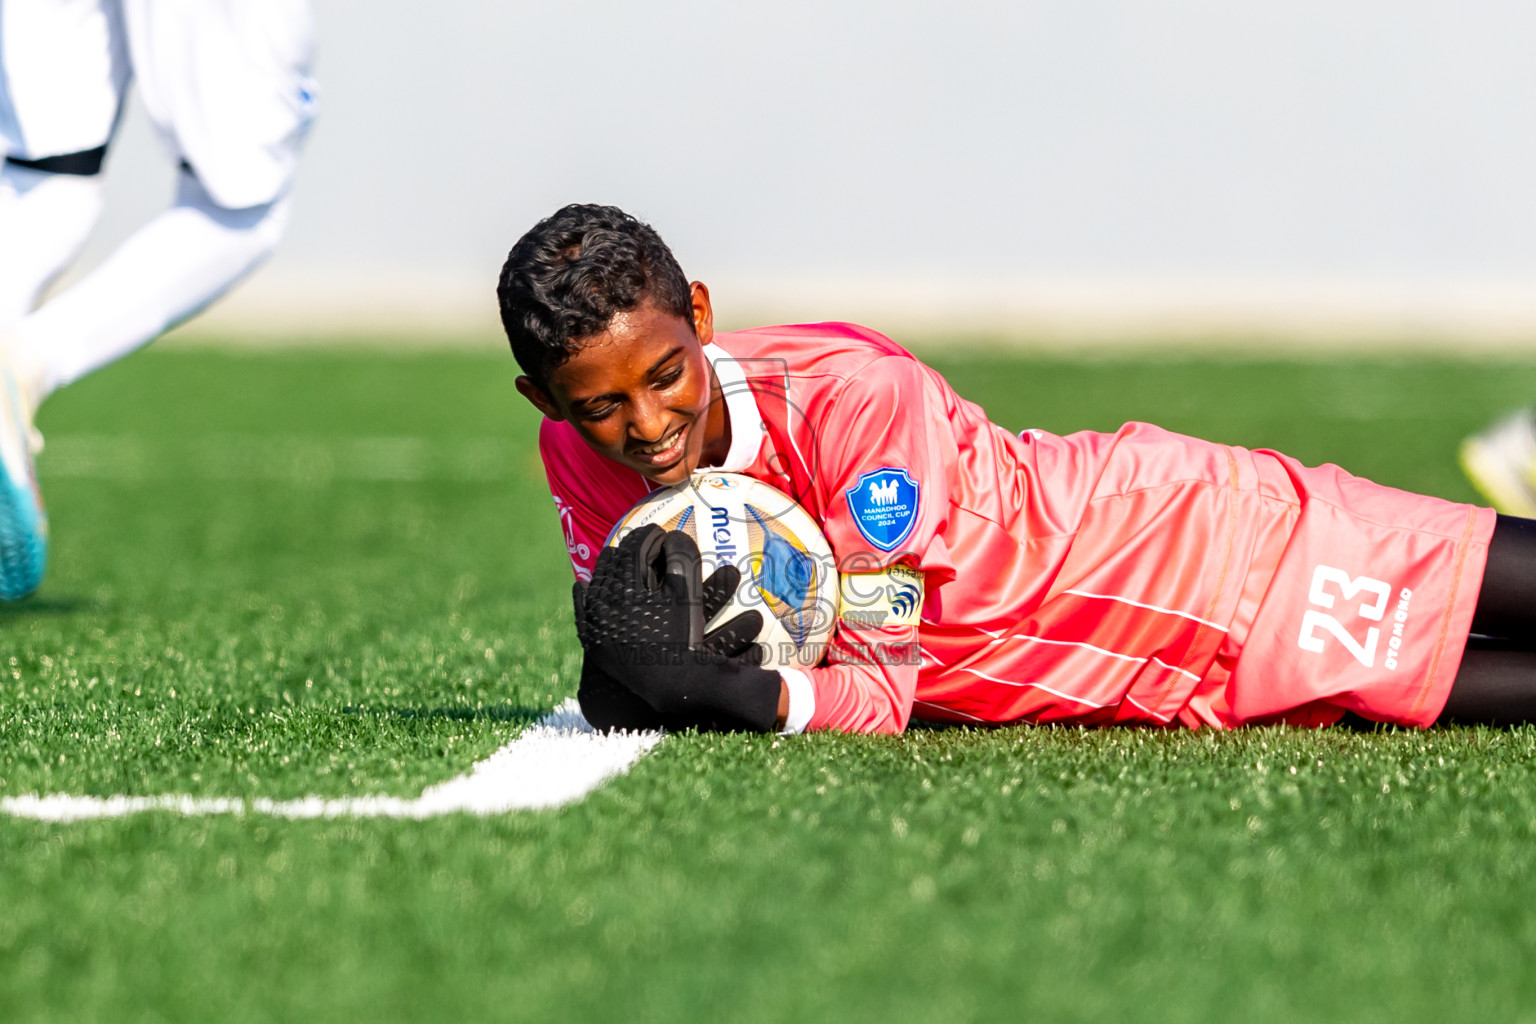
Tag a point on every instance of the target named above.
point(555, 761)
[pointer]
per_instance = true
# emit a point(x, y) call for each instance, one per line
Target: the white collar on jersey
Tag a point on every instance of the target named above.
point(740, 410)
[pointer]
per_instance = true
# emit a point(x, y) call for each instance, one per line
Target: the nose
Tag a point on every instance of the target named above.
point(650, 419)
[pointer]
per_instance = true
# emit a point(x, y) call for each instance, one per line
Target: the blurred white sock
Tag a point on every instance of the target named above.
point(44, 221)
point(168, 271)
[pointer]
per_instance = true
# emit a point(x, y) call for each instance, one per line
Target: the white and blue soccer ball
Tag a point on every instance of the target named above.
point(787, 568)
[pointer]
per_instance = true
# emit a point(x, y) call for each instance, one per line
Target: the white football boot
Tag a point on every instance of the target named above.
point(1501, 463)
point(23, 523)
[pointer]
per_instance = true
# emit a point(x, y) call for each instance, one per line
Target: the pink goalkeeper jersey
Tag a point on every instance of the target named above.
point(1092, 578)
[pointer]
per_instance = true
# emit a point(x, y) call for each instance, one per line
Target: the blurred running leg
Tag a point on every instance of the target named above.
point(168, 271)
point(1501, 463)
point(44, 221)
point(23, 523)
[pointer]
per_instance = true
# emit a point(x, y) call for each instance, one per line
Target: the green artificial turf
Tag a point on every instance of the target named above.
point(339, 573)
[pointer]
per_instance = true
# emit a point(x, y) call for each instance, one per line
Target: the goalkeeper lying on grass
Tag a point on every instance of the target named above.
point(1135, 577)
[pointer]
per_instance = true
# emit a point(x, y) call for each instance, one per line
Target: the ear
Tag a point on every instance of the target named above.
point(703, 313)
point(539, 397)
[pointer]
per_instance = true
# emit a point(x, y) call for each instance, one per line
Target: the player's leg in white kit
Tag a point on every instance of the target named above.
point(167, 271)
point(226, 84)
point(45, 216)
point(45, 219)
point(63, 69)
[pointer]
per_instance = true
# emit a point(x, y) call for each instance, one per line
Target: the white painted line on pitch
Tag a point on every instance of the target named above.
point(553, 762)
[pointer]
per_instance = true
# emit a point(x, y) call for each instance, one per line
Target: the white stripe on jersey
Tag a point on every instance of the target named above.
point(1149, 607)
point(953, 711)
point(1172, 668)
point(1154, 714)
point(1069, 643)
point(1064, 643)
point(1035, 686)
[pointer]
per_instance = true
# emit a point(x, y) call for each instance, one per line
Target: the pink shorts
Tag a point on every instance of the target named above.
point(1357, 597)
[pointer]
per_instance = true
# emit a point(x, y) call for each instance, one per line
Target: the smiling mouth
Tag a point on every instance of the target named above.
point(665, 451)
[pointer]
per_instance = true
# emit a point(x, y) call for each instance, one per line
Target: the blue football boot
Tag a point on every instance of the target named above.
point(23, 523)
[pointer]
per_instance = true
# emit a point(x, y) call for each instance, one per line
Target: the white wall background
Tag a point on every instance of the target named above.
point(1046, 165)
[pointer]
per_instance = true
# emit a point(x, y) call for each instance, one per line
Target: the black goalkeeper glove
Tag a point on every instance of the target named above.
point(641, 624)
point(608, 704)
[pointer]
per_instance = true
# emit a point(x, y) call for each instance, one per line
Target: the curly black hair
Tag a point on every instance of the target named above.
point(572, 272)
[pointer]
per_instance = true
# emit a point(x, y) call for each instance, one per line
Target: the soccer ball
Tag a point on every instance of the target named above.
point(787, 569)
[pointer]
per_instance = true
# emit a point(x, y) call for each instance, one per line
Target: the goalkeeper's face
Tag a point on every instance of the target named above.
point(642, 392)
